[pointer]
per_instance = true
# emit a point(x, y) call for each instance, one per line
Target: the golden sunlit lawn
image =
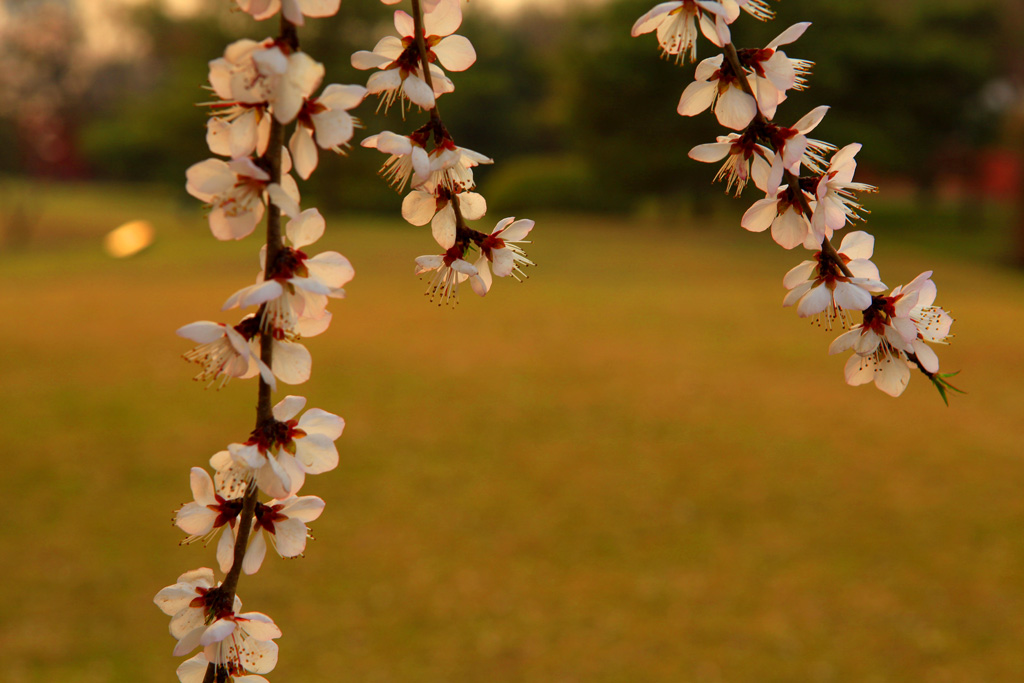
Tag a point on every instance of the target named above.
point(634, 467)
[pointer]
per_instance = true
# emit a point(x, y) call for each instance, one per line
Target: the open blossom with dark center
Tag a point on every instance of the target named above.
point(208, 515)
point(265, 73)
point(407, 158)
point(400, 74)
point(420, 207)
point(224, 352)
point(744, 158)
point(716, 84)
point(186, 602)
point(794, 149)
point(451, 167)
point(775, 73)
point(284, 523)
point(236, 78)
point(895, 327)
point(501, 250)
point(451, 269)
point(819, 286)
point(239, 642)
point(676, 24)
point(236, 192)
point(784, 213)
point(837, 203)
point(295, 285)
point(280, 454)
point(931, 323)
point(326, 120)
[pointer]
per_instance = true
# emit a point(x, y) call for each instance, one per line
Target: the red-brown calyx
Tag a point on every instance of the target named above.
point(227, 511)
point(276, 434)
point(268, 515)
point(880, 313)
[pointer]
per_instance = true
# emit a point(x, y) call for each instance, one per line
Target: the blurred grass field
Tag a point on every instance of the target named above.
point(636, 466)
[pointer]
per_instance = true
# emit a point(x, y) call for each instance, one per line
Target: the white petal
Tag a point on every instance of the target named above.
point(418, 207)
point(790, 34)
point(288, 407)
point(761, 215)
point(735, 109)
point(697, 97)
point(303, 151)
point(254, 554)
point(455, 53)
point(291, 362)
point(710, 152)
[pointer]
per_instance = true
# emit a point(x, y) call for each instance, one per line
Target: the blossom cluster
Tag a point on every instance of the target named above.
point(809, 192)
point(249, 498)
point(251, 495)
point(407, 70)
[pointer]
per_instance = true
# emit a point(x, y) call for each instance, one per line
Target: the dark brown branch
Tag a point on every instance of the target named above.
point(791, 178)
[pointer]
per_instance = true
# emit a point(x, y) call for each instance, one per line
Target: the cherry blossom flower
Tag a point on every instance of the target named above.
point(894, 337)
point(326, 119)
point(676, 25)
point(400, 74)
point(294, 11)
point(883, 339)
point(931, 323)
point(451, 269)
point(836, 202)
point(236, 191)
point(236, 77)
point(744, 158)
point(774, 72)
point(187, 602)
point(207, 515)
point(265, 73)
point(501, 249)
point(793, 148)
point(407, 158)
point(717, 85)
point(284, 522)
point(452, 167)
point(420, 207)
point(238, 130)
point(830, 291)
point(886, 329)
point(238, 642)
point(783, 212)
point(224, 352)
point(890, 372)
point(193, 670)
point(295, 285)
point(280, 454)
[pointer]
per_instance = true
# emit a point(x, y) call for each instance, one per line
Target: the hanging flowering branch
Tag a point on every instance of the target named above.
point(261, 89)
point(807, 198)
point(438, 172)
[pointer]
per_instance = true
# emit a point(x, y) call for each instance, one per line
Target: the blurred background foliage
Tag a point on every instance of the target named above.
point(579, 114)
